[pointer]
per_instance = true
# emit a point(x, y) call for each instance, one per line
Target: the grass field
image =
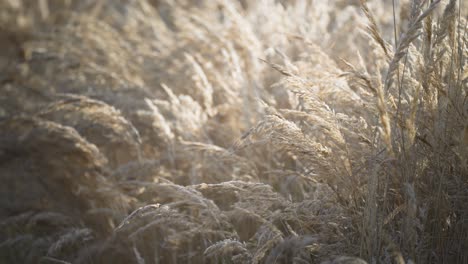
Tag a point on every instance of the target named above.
point(233, 131)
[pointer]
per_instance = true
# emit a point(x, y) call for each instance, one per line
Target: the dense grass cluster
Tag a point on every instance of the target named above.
point(233, 131)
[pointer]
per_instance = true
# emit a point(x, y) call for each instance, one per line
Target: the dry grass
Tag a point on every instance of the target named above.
point(176, 131)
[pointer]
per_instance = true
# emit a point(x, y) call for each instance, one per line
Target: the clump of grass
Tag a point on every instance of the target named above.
point(233, 131)
point(100, 124)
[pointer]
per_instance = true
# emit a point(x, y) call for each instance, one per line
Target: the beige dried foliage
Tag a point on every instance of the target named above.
point(233, 131)
point(100, 124)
